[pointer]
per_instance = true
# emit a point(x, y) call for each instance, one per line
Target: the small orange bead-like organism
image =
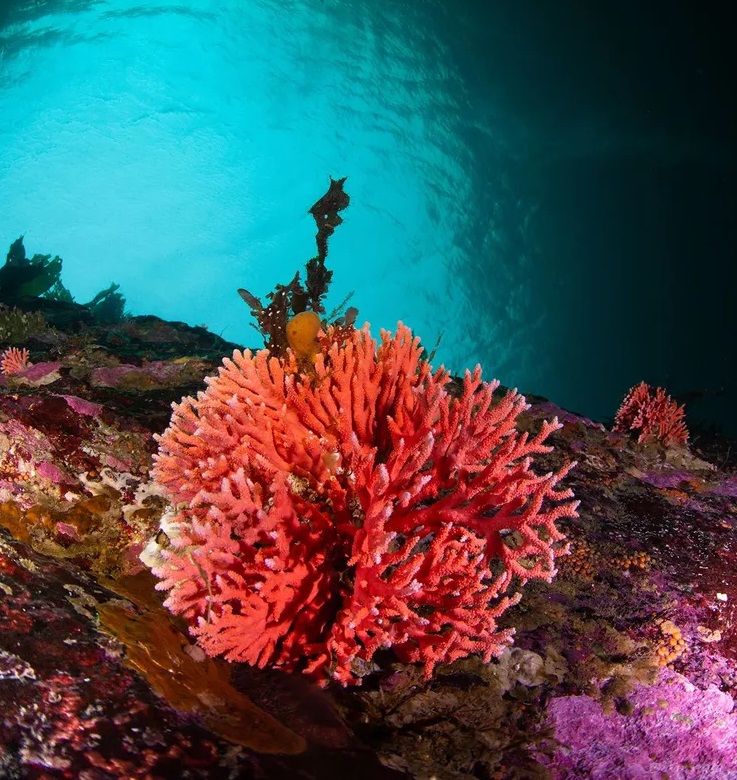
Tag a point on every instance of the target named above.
point(672, 645)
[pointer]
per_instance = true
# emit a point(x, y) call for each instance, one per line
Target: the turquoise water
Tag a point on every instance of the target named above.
point(177, 152)
point(175, 149)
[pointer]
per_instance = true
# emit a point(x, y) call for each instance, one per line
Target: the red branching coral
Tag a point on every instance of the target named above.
point(318, 517)
point(652, 414)
point(14, 361)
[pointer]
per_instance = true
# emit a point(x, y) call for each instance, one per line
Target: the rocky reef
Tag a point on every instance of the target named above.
point(625, 665)
point(381, 550)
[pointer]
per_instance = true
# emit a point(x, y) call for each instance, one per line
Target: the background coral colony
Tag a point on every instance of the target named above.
point(317, 530)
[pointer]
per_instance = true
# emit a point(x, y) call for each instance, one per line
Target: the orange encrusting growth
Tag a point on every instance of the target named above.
point(672, 646)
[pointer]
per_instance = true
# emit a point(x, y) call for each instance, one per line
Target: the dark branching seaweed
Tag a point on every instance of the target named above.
point(290, 299)
point(108, 306)
point(23, 278)
point(35, 285)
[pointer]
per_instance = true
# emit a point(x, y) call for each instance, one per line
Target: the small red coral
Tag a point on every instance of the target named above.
point(653, 415)
point(14, 361)
point(318, 517)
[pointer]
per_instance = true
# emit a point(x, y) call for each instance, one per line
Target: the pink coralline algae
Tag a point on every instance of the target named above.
point(320, 516)
point(653, 415)
point(150, 375)
point(673, 730)
point(83, 406)
point(33, 375)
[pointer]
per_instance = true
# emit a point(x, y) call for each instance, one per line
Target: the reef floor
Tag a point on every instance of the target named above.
point(624, 666)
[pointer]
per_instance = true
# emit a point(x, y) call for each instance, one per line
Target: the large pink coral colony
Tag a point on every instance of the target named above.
point(318, 517)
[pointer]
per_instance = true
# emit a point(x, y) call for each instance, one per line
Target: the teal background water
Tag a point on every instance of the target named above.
point(550, 187)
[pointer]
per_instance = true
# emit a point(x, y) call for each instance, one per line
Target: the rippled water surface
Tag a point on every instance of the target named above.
point(519, 182)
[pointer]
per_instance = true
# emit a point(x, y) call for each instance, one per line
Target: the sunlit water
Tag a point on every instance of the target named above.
point(175, 149)
point(177, 152)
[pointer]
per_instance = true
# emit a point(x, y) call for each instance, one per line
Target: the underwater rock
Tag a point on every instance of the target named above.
point(73, 702)
point(66, 315)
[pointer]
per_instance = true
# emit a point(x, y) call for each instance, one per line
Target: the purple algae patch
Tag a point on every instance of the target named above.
point(675, 730)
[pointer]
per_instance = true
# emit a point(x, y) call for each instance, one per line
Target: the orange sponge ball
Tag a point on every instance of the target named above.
point(302, 332)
